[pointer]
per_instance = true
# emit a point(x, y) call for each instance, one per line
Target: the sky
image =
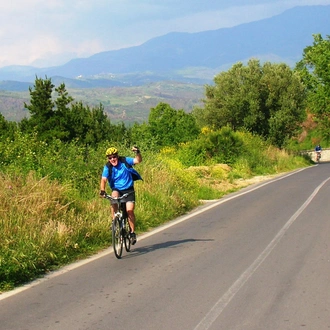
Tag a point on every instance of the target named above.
point(45, 33)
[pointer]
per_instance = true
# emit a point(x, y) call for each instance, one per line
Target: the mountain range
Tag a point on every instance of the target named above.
point(186, 57)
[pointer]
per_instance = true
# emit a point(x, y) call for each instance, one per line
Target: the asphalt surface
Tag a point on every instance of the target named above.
point(256, 259)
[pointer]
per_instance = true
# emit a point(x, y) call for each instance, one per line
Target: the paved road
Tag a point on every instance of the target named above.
point(257, 259)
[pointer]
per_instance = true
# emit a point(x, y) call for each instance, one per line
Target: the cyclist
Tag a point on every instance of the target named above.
point(318, 151)
point(121, 182)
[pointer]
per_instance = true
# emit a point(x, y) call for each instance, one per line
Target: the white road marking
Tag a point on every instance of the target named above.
point(220, 305)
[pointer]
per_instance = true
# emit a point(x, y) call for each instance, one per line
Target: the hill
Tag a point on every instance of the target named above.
point(172, 68)
point(191, 57)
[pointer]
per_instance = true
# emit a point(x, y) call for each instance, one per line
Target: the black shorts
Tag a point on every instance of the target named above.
point(129, 191)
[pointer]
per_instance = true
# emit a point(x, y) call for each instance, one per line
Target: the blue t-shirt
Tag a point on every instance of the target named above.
point(121, 176)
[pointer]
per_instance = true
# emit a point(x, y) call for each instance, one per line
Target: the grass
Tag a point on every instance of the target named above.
point(41, 228)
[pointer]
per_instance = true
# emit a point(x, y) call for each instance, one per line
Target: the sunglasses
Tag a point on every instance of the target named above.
point(112, 157)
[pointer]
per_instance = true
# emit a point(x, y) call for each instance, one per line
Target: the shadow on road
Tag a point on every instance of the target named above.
point(164, 245)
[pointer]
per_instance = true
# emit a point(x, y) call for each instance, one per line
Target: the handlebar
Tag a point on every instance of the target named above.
point(116, 199)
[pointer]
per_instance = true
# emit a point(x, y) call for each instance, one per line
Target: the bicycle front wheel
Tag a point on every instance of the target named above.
point(117, 239)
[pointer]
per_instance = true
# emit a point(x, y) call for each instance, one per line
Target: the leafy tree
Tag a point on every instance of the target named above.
point(263, 99)
point(168, 126)
point(228, 102)
point(186, 126)
point(140, 135)
point(285, 102)
point(315, 71)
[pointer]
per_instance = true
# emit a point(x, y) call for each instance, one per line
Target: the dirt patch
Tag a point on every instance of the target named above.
point(256, 179)
point(227, 186)
point(218, 177)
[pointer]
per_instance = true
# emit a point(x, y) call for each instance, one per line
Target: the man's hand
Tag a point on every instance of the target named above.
point(138, 156)
point(102, 193)
point(136, 150)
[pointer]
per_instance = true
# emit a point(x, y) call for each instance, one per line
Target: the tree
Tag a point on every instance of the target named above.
point(263, 99)
point(140, 135)
point(285, 98)
point(315, 71)
point(7, 128)
point(41, 106)
point(63, 113)
point(99, 126)
point(168, 126)
point(62, 119)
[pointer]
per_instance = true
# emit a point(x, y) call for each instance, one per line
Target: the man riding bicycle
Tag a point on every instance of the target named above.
point(318, 151)
point(119, 173)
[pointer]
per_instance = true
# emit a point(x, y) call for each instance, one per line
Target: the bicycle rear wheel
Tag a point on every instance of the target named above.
point(127, 238)
point(117, 239)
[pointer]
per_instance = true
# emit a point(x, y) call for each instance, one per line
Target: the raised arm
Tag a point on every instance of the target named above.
point(138, 157)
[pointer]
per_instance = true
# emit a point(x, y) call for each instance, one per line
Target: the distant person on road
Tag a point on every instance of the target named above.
point(318, 151)
point(120, 175)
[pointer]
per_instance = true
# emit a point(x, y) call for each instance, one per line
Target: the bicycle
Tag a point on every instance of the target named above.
point(120, 227)
point(318, 156)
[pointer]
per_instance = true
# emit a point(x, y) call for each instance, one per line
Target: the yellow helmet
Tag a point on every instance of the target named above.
point(111, 151)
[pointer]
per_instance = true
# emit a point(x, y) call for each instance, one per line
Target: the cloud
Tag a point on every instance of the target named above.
point(45, 33)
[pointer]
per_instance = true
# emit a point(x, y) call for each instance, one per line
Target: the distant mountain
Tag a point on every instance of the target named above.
point(190, 57)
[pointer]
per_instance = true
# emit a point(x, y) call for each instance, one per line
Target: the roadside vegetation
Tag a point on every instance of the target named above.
point(252, 124)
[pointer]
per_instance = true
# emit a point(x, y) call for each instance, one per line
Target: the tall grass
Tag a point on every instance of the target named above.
point(51, 213)
point(41, 227)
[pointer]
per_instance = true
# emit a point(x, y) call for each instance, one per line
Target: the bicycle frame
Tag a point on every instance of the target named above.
point(120, 227)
